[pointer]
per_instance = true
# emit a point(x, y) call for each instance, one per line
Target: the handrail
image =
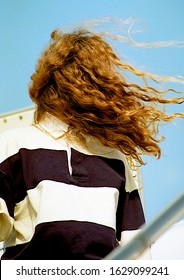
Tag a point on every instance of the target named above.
point(16, 112)
point(150, 232)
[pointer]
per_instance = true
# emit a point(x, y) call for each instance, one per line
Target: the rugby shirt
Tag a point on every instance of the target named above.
point(60, 199)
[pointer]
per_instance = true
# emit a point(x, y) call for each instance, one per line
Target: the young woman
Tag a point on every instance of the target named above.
point(66, 187)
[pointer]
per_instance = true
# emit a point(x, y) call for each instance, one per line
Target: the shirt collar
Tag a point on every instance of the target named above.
point(53, 126)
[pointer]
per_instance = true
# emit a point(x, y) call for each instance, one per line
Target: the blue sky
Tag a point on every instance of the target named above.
point(25, 27)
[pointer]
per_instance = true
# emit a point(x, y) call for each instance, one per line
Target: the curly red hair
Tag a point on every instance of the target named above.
point(80, 80)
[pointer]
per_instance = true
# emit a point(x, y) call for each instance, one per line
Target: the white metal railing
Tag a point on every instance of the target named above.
point(18, 118)
point(150, 233)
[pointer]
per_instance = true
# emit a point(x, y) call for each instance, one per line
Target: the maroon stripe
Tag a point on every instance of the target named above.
point(66, 240)
point(29, 167)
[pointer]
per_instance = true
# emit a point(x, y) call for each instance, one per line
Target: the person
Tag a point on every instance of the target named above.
point(67, 190)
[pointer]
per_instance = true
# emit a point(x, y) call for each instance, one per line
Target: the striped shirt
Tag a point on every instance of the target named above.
point(60, 199)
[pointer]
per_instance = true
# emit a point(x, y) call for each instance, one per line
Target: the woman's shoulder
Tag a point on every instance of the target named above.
point(16, 132)
point(13, 139)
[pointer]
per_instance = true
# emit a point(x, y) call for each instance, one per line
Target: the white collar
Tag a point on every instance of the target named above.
point(52, 126)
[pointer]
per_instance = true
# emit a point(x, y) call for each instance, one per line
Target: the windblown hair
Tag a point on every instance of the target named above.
point(81, 81)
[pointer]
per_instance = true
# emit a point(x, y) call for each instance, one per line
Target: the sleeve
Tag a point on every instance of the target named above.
point(6, 207)
point(130, 215)
point(6, 190)
point(130, 212)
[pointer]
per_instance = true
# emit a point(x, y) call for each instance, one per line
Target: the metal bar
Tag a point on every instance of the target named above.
point(17, 112)
point(150, 232)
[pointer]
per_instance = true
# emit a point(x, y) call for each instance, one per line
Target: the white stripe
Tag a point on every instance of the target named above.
point(61, 202)
point(53, 201)
point(69, 160)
